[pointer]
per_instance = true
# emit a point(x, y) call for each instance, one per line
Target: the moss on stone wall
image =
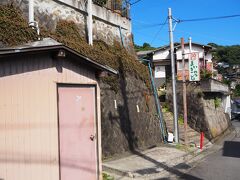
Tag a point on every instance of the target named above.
point(14, 29)
point(114, 56)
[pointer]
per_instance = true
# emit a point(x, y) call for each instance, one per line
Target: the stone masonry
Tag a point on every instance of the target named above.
point(132, 124)
point(107, 25)
point(203, 114)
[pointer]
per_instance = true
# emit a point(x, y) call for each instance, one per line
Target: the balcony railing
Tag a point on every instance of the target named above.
point(121, 7)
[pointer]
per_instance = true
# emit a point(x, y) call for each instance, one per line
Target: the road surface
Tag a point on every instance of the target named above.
point(221, 165)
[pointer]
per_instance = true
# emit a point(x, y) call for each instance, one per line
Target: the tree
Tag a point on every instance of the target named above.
point(144, 47)
point(237, 91)
point(229, 54)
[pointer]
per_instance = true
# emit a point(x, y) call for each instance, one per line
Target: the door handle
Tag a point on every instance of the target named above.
point(92, 137)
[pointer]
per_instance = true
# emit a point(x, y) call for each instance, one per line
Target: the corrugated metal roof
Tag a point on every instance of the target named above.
point(48, 44)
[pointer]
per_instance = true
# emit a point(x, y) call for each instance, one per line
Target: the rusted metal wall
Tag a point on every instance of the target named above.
point(29, 147)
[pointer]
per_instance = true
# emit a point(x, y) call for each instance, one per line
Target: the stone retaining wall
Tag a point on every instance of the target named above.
point(107, 25)
point(203, 115)
point(124, 128)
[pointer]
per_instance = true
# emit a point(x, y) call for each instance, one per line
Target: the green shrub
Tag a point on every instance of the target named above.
point(166, 107)
point(180, 120)
point(236, 91)
point(205, 74)
point(107, 177)
point(217, 102)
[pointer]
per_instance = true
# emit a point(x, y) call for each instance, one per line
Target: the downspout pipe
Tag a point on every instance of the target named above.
point(157, 103)
point(30, 12)
point(31, 21)
point(121, 35)
point(90, 23)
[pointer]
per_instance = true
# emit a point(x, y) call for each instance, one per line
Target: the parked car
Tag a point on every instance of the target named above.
point(235, 109)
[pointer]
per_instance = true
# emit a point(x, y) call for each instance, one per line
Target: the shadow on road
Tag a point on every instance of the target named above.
point(231, 149)
point(171, 170)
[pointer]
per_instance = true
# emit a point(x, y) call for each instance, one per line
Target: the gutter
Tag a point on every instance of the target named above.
point(10, 52)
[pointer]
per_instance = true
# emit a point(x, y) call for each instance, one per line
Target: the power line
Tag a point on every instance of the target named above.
point(190, 20)
point(154, 38)
point(207, 18)
point(135, 2)
point(147, 26)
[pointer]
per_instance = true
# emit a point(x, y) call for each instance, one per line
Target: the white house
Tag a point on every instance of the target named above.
point(161, 59)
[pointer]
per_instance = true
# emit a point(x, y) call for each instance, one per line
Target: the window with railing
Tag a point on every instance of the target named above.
point(121, 7)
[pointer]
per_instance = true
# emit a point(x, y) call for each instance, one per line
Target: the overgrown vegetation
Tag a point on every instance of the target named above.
point(205, 74)
point(217, 102)
point(166, 107)
point(107, 177)
point(14, 30)
point(113, 56)
point(229, 54)
point(144, 47)
point(181, 120)
point(236, 92)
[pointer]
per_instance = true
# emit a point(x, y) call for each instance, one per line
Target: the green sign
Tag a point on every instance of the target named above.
point(194, 70)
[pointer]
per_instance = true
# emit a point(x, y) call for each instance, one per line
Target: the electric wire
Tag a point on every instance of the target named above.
point(190, 20)
point(154, 38)
point(207, 18)
point(135, 2)
point(147, 26)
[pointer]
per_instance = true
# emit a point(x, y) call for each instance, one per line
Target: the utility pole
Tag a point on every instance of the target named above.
point(90, 22)
point(184, 92)
point(173, 76)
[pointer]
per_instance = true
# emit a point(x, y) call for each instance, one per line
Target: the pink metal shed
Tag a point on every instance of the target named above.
point(49, 113)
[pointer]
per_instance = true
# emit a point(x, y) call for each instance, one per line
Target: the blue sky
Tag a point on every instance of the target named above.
point(151, 12)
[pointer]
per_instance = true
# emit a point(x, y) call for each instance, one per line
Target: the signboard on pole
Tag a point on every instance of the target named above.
point(194, 70)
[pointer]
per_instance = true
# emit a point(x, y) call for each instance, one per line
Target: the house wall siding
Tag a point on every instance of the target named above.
point(165, 54)
point(195, 48)
point(29, 115)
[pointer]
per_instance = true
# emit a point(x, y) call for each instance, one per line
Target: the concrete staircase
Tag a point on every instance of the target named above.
point(192, 135)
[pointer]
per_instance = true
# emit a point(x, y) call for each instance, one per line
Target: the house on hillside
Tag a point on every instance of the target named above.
point(161, 63)
point(161, 60)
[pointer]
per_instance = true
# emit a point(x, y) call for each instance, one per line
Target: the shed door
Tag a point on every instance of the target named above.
point(78, 159)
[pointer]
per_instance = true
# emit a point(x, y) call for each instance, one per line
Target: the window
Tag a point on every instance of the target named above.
point(160, 72)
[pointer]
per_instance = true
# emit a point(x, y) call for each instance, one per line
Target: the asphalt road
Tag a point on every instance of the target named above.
point(221, 165)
